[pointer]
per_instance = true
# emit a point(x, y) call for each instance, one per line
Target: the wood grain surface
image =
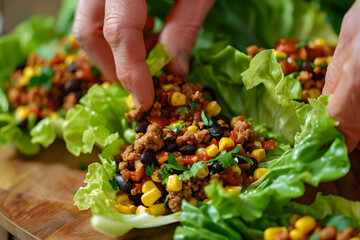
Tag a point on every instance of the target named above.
point(36, 195)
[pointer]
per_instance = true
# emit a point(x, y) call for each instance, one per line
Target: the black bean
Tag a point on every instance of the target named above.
point(216, 167)
point(79, 94)
point(318, 76)
point(148, 157)
point(141, 126)
point(222, 117)
point(21, 66)
point(307, 67)
point(252, 168)
point(173, 171)
point(124, 186)
point(136, 199)
point(156, 82)
point(216, 130)
point(23, 124)
point(71, 67)
point(187, 149)
point(72, 85)
point(170, 145)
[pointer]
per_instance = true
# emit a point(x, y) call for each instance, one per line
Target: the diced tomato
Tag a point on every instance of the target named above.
point(233, 178)
point(159, 120)
point(138, 185)
point(145, 178)
point(181, 160)
point(240, 118)
point(214, 141)
point(191, 159)
point(163, 98)
point(52, 106)
point(269, 145)
point(249, 155)
point(55, 60)
point(287, 45)
point(162, 157)
point(233, 136)
point(36, 112)
point(139, 171)
point(203, 156)
point(126, 174)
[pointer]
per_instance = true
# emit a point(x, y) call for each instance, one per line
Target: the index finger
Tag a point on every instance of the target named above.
point(123, 24)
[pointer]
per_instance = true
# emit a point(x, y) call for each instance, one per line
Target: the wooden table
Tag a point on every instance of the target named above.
point(36, 195)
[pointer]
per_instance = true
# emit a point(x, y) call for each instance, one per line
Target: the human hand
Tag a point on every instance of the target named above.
point(343, 79)
point(110, 32)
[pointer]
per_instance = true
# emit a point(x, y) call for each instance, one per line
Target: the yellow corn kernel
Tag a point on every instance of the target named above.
point(167, 87)
point(147, 186)
point(212, 109)
point(225, 142)
point(157, 209)
point(320, 42)
point(233, 121)
point(70, 59)
point(28, 72)
point(280, 54)
point(296, 234)
point(258, 144)
point(236, 169)
point(212, 150)
point(130, 102)
point(192, 129)
point(142, 209)
point(176, 123)
point(71, 39)
point(178, 99)
point(207, 200)
point(314, 93)
point(53, 116)
point(123, 198)
point(269, 233)
point(355, 238)
point(259, 154)
point(199, 151)
point(193, 202)
point(174, 183)
point(22, 112)
point(150, 197)
point(328, 59)
point(155, 178)
point(259, 172)
point(233, 189)
point(202, 173)
point(105, 85)
point(126, 208)
point(318, 61)
point(305, 224)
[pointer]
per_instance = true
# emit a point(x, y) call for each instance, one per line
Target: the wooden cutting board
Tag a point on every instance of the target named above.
point(36, 195)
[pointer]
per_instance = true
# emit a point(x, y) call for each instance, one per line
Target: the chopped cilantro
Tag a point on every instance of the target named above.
point(208, 98)
point(95, 71)
point(214, 134)
point(176, 128)
point(248, 160)
point(43, 79)
point(192, 105)
point(301, 44)
point(174, 164)
point(182, 111)
point(166, 200)
point(114, 185)
point(205, 119)
point(150, 169)
point(191, 171)
point(226, 159)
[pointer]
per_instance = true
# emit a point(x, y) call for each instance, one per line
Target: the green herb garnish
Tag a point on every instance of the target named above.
point(208, 98)
point(43, 79)
point(205, 119)
point(114, 185)
point(176, 128)
point(191, 171)
point(172, 163)
point(150, 169)
point(248, 160)
point(301, 44)
point(182, 111)
point(192, 105)
point(226, 159)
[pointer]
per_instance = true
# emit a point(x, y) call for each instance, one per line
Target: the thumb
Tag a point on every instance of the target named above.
point(180, 31)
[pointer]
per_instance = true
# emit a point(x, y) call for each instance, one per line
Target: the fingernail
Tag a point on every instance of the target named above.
point(183, 61)
point(137, 102)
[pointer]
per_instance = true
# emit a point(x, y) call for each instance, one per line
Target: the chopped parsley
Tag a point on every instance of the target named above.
point(43, 79)
point(192, 105)
point(226, 159)
point(205, 119)
point(114, 185)
point(176, 128)
point(191, 171)
point(182, 111)
point(150, 169)
point(301, 44)
point(174, 164)
point(208, 98)
point(248, 160)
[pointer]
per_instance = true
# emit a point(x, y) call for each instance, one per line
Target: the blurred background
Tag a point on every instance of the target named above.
point(14, 11)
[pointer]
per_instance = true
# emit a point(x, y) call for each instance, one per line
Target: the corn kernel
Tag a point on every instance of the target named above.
point(314, 93)
point(280, 54)
point(147, 186)
point(176, 123)
point(212, 150)
point(212, 109)
point(258, 144)
point(192, 129)
point(320, 42)
point(318, 61)
point(157, 209)
point(22, 112)
point(142, 209)
point(225, 143)
point(53, 116)
point(70, 59)
point(71, 39)
point(105, 85)
point(123, 198)
point(296, 234)
point(178, 99)
point(236, 169)
point(329, 59)
point(207, 200)
point(202, 173)
point(167, 87)
point(130, 102)
point(199, 151)
point(355, 238)
point(155, 178)
point(305, 224)
point(259, 154)
point(269, 233)
point(126, 208)
point(259, 172)
point(193, 202)
point(28, 72)
point(174, 183)
point(233, 121)
point(23, 81)
point(233, 189)
point(150, 197)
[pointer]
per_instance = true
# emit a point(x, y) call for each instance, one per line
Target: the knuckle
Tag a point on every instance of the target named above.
point(112, 28)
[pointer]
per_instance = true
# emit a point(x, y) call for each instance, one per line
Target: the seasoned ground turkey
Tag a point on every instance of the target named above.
point(151, 140)
point(194, 138)
point(243, 132)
